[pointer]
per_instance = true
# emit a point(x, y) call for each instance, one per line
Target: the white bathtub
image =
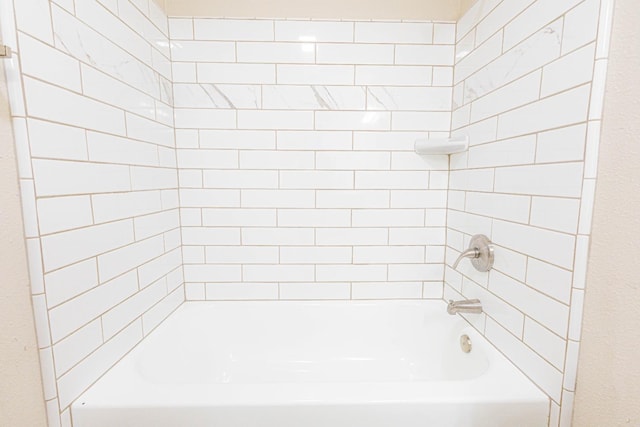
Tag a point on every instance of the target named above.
point(312, 364)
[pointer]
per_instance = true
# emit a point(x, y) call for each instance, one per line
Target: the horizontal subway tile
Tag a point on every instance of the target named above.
point(277, 120)
point(561, 145)
point(316, 74)
point(277, 236)
point(316, 179)
point(232, 29)
point(206, 235)
point(241, 291)
point(418, 98)
point(313, 31)
point(109, 207)
point(503, 206)
point(418, 199)
point(202, 51)
point(395, 290)
point(236, 73)
point(546, 376)
point(387, 141)
point(121, 315)
point(237, 139)
point(314, 218)
point(388, 218)
point(181, 28)
point(121, 260)
point(207, 159)
point(66, 248)
point(568, 71)
point(400, 180)
point(555, 213)
point(205, 118)
point(315, 255)
point(356, 160)
point(545, 343)
point(393, 75)
point(417, 236)
point(241, 255)
point(314, 140)
point(78, 379)
point(352, 120)
point(212, 273)
point(64, 213)
point(388, 254)
point(354, 53)
point(239, 217)
point(68, 282)
point(278, 273)
point(285, 97)
point(414, 121)
point(406, 272)
point(351, 273)
point(514, 151)
point(545, 180)
point(220, 96)
point(550, 246)
point(256, 159)
point(209, 198)
point(75, 313)
point(88, 113)
point(278, 198)
point(315, 291)
point(296, 53)
point(351, 236)
point(549, 279)
point(240, 179)
point(352, 199)
point(559, 110)
point(424, 55)
point(392, 32)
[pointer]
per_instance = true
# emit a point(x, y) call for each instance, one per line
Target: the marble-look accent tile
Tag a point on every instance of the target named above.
point(538, 50)
point(409, 98)
point(217, 96)
point(85, 44)
point(313, 97)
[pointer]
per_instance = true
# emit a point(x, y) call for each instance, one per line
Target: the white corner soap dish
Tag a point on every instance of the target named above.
point(453, 145)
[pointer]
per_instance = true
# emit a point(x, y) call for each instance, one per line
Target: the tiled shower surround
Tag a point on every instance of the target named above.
point(296, 166)
point(273, 159)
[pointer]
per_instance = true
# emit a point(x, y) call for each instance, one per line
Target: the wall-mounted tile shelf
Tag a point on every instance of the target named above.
point(5, 51)
point(453, 145)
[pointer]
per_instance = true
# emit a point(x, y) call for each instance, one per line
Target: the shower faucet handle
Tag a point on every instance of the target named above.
point(481, 253)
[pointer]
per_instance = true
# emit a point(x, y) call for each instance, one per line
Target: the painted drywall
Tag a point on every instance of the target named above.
point(21, 396)
point(446, 10)
point(608, 388)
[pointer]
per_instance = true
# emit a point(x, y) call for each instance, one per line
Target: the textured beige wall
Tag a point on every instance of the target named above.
point(21, 396)
point(444, 10)
point(608, 390)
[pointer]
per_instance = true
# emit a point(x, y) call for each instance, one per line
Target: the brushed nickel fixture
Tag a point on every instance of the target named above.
point(5, 51)
point(464, 306)
point(480, 251)
point(465, 343)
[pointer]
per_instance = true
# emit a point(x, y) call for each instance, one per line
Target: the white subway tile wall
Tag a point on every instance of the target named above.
point(297, 176)
point(226, 159)
point(99, 182)
point(528, 92)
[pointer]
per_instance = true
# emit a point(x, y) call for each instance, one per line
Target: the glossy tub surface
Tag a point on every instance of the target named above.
point(312, 364)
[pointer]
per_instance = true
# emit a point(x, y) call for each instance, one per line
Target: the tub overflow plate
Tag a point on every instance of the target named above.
point(465, 343)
